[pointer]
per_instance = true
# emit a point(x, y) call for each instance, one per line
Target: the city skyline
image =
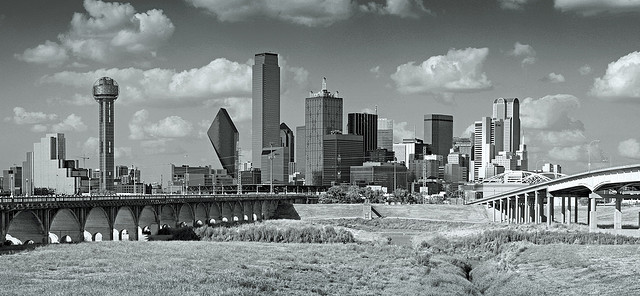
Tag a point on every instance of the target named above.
point(576, 76)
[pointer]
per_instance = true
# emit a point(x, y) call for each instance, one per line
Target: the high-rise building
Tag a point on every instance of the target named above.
point(365, 125)
point(275, 161)
point(51, 170)
point(224, 137)
point(287, 140)
point(322, 116)
point(106, 91)
point(482, 148)
point(385, 134)
point(410, 149)
point(12, 181)
point(300, 150)
point(508, 110)
point(265, 112)
point(388, 175)
point(340, 152)
point(438, 131)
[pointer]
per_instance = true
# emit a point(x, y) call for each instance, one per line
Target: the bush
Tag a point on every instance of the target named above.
point(270, 233)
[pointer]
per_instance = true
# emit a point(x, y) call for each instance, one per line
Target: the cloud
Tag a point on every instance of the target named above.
point(629, 148)
point(594, 7)
point(553, 78)
point(122, 152)
point(22, 116)
point(170, 127)
point(512, 4)
point(468, 131)
point(302, 12)
point(239, 108)
point(400, 131)
point(526, 51)
point(457, 71)
point(219, 78)
point(401, 8)
point(90, 146)
point(376, 71)
point(109, 31)
point(585, 70)
point(73, 123)
point(49, 53)
point(621, 81)
point(550, 112)
point(161, 146)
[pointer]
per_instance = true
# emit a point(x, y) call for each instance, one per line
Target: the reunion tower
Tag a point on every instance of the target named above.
point(105, 91)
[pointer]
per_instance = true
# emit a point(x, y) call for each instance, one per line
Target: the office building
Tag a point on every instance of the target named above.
point(438, 131)
point(224, 137)
point(365, 125)
point(105, 92)
point(508, 110)
point(385, 134)
point(410, 149)
point(287, 140)
point(265, 112)
point(388, 175)
point(300, 150)
point(275, 161)
point(12, 181)
point(51, 170)
point(323, 115)
point(340, 152)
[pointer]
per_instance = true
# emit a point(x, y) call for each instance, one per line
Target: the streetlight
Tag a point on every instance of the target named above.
point(589, 153)
point(271, 167)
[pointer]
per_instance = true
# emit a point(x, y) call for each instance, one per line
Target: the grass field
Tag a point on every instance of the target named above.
point(440, 258)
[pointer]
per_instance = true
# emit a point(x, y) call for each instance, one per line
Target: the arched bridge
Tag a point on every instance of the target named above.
point(43, 219)
point(527, 204)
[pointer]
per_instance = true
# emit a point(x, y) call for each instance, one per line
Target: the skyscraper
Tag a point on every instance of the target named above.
point(105, 91)
point(265, 119)
point(300, 150)
point(509, 111)
point(224, 137)
point(287, 140)
point(365, 125)
point(322, 115)
point(385, 134)
point(340, 152)
point(438, 131)
point(50, 169)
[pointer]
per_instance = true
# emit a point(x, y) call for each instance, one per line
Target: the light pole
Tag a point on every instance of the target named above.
point(589, 153)
point(271, 168)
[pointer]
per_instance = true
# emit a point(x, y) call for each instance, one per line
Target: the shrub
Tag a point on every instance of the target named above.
point(269, 233)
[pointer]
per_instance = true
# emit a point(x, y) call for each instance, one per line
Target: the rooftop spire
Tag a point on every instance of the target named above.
point(324, 83)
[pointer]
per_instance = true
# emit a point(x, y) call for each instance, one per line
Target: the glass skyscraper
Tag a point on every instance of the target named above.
point(265, 113)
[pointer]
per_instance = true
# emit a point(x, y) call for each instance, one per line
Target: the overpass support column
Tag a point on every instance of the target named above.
point(563, 212)
point(593, 219)
point(549, 209)
point(568, 215)
point(509, 210)
point(537, 207)
point(575, 210)
point(617, 214)
point(517, 208)
point(527, 209)
point(493, 210)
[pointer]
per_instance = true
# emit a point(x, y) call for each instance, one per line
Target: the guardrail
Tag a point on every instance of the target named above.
point(71, 198)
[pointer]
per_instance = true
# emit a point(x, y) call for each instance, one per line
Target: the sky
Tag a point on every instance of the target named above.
point(573, 64)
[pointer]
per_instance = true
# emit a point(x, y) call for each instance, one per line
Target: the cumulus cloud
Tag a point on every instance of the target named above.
point(22, 116)
point(108, 31)
point(468, 131)
point(621, 81)
point(401, 8)
point(376, 71)
point(170, 127)
point(71, 123)
point(594, 7)
point(512, 4)
point(122, 152)
point(302, 12)
point(550, 112)
point(49, 53)
point(90, 146)
point(239, 108)
point(457, 71)
point(525, 51)
point(629, 148)
point(585, 70)
point(553, 78)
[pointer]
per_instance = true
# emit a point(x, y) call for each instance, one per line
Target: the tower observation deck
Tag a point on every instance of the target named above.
point(105, 92)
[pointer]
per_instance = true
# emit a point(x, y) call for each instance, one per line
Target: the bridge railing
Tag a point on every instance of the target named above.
point(73, 198)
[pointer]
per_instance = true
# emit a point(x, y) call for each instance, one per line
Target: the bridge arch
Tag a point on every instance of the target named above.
point(227, 211)
point(257, 211)
point(168, 216)
point(148, 218)
point(25, 226)
point(97, 224)
point(247, 207)
point(238, 213)
point(200, 214)
point(66, 223)
point(215, 212)
point(125, 225)
point(185, 214)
